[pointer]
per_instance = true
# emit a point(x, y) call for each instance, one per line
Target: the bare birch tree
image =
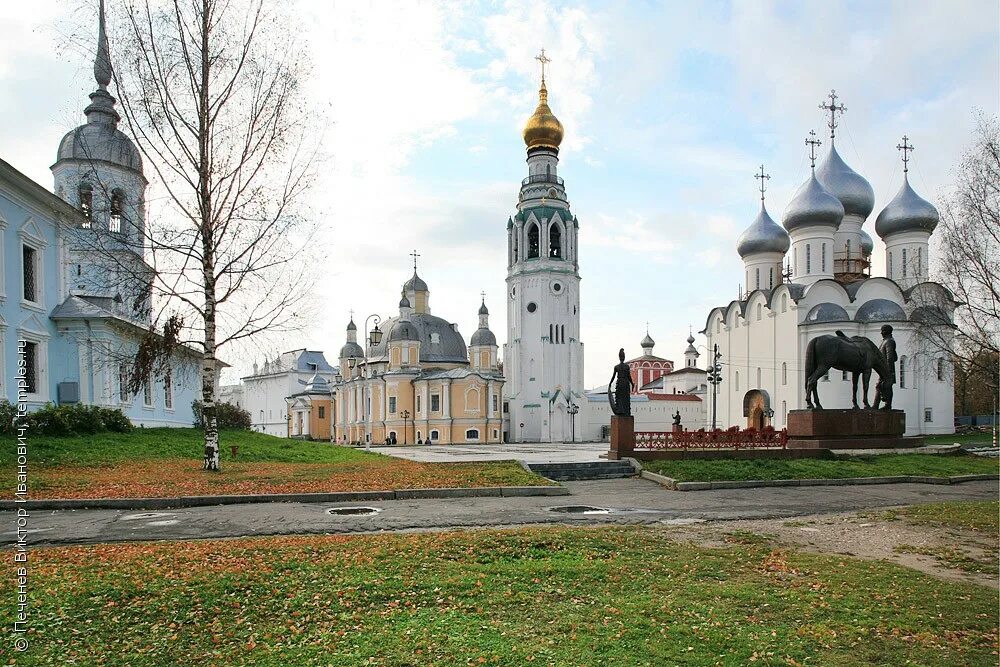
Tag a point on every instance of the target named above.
point(210, 91)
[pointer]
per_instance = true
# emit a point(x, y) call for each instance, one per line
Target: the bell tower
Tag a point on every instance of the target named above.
point(543, 356)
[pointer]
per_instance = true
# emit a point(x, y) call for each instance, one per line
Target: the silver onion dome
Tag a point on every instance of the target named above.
point(907, 212)
point(853, 191)
point(867, 244)
point(483, 310)
point(763, 235)
point(813, 204)
point(647, 341)
point(416, 283)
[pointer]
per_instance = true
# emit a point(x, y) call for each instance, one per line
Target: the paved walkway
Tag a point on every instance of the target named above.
point(627, 501)
point(533, 452)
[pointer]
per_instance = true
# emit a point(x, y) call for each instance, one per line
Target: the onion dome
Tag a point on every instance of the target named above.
point(404, 302)
point(907, 212)
point(351, 326)
point(483, 310)
point(416, 283)
point(763, 235)
point(867, 244)
point(690, 348)
point(404, 331)
point(647, 342)
point(483, 337)
point(813, 204)
point(543, 129)
point(99, 138)
point(853, 191)
point(351, 349)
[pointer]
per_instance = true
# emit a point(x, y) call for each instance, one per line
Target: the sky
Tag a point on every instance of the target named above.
point(669, 109)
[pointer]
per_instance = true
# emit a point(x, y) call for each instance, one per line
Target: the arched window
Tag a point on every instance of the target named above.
point(920, 262)
point(551, 335)
point(902, 372)
point(808, 259)
point(758, 376)
point(848, 248)
point(904, 262)
point(515, 244)
point(770, 278)
point(940, 368)
point(737, 380)
point(555, 240)
point(757, 274)
point(784, 412)
point(822, 258)
point(434, 435)
point(890, 265)
point(117, 208)
point(472, 434)
point(532, 241)
point(784, 373)
point(760, 311)
point(86, 194)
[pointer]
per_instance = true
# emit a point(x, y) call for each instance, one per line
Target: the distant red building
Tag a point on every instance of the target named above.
point(648, 367)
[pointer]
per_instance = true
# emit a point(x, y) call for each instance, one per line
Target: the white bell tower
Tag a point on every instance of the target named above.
point(543, 356)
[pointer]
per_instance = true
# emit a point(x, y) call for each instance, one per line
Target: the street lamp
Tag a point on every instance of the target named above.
point(405, 415)
point(572, 410)
point(715, 378)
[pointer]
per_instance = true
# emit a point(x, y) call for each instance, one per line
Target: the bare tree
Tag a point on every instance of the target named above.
point(210, 91)
point(968, 252)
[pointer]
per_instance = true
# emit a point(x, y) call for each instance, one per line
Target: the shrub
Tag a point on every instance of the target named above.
point(227, 415)
point(78, 419)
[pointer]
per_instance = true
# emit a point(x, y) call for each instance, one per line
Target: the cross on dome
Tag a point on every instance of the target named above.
point(905, 148)
point(414, 255)
point(812, 142)
point(834, 109)
point(543, 59)
point(762, 177)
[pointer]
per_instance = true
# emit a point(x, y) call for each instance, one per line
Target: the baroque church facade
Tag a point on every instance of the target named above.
point(543, 355)
point(75, 287)
point(826, 286)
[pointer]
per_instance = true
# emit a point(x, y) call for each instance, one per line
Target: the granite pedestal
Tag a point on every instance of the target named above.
point(848, 429)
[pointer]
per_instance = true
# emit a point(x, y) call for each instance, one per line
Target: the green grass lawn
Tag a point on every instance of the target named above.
point(884, 465)
point(962, 439)
point(545, 596)
point(164, 462)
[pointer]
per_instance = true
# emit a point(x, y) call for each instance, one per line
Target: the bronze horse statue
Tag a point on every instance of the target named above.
point(856, 354)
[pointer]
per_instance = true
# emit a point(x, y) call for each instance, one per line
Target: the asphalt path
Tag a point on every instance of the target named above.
point(616, 501)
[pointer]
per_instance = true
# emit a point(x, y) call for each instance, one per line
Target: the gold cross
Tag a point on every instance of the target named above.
point(812, 142)
point(833, 108)
point(906, 148)
point(542, 58)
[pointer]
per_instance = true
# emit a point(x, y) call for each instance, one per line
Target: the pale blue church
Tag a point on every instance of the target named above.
point(75, 286)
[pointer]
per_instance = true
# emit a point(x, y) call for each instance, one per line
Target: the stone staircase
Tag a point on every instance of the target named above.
point(564, 472)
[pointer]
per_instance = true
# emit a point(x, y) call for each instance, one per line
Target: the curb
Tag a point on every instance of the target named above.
point(336, 497)
point(674, 485)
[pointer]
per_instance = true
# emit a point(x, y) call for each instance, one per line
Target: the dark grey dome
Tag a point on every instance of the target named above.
point(827, 312)
point(416, 283)
point(483, 310)
point(880, 310)
point(403, 331)
point(404, 302)
point(930, 315)
point(351, 326)
point(853, 191)
point(439, 342)
point(647, 341)
point(867, 243)
point(813, 204)
point(483, 337)
point(763, 235)
point(907, 212)
point(100, 141)
point(351, 350)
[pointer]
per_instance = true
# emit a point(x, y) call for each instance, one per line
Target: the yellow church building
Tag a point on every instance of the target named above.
point(417, 382)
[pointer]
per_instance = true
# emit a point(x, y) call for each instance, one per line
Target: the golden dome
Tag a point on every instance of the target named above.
point(543, 129)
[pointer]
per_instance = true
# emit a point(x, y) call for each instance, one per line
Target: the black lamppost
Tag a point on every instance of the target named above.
point(715, 378)
point(572, 410)
point(405, 415)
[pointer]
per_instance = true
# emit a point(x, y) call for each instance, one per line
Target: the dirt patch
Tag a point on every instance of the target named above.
point(871, 536)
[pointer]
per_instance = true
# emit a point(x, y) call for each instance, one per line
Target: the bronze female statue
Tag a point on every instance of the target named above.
point(621, 402)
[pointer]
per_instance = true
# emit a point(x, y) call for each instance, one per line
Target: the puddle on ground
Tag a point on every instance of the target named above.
point(165, 522)
point(145, 515)
point(353, 511)
point(579, 509)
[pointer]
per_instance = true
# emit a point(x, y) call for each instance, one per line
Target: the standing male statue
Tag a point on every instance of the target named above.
point(883, 389)
point(621, 402)
point(677, 418)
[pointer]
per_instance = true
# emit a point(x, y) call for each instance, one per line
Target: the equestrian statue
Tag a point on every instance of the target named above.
point(856, 354)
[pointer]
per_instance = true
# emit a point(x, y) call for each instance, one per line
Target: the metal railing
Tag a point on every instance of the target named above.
point(733, 438)
point(542, 178)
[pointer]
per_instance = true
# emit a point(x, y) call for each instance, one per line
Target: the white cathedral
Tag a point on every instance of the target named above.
point(827, 286)
point(543, 356)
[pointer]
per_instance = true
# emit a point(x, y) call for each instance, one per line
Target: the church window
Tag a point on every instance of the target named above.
point(147, 392)
point(321, 412)
point(760, 311)
point(784, 412)
point(770, 278)
point(434, 435)
point(496, 402)
point(757, 270)
point(784, 373)
point(392, 405)
point(435, 402)
point(472, 434)
point(514, 241)
point(920, 261)
point(848, 248)
point(758, 376)
point(822, 258)
point(31, 367)
point(795, 259)
point(532, 307)
point(843, 375)
point(86, 193)
point(737, 380)
point(532, 241)
point(808, 259)
point(29, 269)
point(418, 402)
point(904, 262)
point(551, 338)
point(123, 393)
point(940, 368)
point(890, 265)
point(928, 415)
point(117, 209)
point(562, 333)
point(168, 390)
point(555, 241)
point(902, 372)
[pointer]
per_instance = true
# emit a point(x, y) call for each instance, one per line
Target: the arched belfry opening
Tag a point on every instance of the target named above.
point(555, 240)
point(532, 240)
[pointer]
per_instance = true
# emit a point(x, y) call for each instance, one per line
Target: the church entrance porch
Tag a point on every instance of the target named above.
point(757, 409)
